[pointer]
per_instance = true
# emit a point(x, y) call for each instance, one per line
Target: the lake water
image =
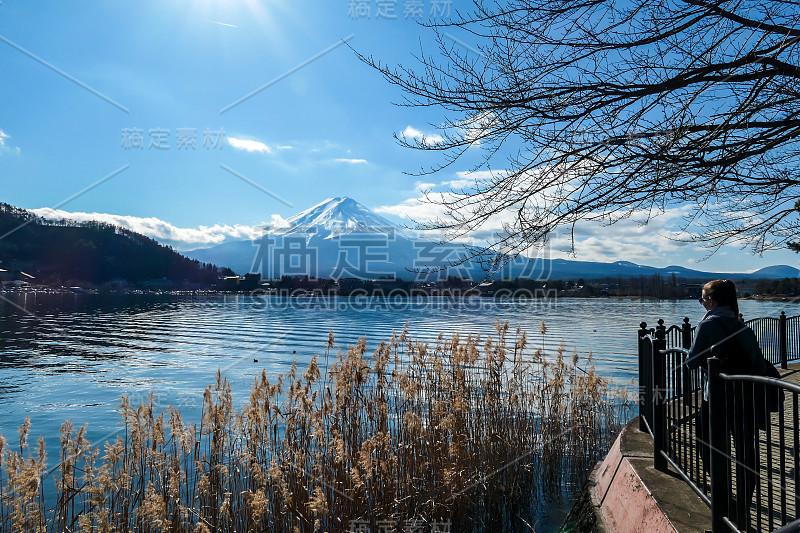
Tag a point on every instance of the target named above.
point(72, 356)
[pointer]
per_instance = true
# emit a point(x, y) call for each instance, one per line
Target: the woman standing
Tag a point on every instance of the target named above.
point(721, 329)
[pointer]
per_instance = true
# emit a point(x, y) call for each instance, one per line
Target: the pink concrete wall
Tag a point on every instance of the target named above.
point(623, 502)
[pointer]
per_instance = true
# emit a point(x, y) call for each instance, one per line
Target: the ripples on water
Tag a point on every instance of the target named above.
point(72, 356)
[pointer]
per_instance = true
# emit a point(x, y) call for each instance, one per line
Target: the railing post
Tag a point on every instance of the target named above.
point(719, 443)
point(659, 398)
point(686, 334)
point(663, 329)
point(686, 343)
point(783, 339)
point(644, 377)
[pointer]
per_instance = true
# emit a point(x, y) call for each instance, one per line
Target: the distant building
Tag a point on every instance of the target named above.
point(187, 285)
point(694, 290)
point(347, 285)
point(118, 283)
point(230, 283)
point(162, 284)
point(387, 285)
point(15, 275)
point(250, 282)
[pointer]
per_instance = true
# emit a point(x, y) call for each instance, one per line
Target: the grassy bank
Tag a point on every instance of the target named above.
point(468, 434)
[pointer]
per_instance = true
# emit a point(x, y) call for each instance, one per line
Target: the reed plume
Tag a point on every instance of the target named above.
point(474, 432)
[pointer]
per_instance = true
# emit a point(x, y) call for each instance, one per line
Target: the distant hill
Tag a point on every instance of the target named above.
point(333, 238)
point(776, 272)
point(93, 252)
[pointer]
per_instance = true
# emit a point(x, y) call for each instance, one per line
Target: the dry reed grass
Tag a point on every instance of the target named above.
point(468, 432)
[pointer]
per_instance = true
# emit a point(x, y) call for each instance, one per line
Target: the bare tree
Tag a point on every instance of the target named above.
point(598, 109)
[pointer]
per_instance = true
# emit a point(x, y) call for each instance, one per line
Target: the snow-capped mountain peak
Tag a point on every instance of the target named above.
point(336, 216)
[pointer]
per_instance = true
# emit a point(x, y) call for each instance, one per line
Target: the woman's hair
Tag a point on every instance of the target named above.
point(723, 291)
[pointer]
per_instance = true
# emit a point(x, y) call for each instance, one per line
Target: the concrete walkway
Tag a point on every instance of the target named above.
point(629, 495)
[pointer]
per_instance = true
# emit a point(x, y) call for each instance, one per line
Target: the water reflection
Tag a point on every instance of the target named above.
point(73, 355)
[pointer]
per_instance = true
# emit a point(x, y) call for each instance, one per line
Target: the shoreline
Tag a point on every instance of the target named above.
point(523, 295)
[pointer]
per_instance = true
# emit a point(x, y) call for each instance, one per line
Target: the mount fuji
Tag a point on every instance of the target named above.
point(342, 238)
point(338, 237)
point(337, 216)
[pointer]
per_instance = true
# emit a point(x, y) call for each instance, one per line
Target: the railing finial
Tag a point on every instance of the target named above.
point(661, 330)
point(686, 333)
point(783, 341)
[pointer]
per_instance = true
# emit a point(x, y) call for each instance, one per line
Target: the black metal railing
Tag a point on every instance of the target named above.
point(668, 338)
point(754, 452)
point(792, 338)
point(768, 333)
point(683, 395)
point(645, 380)
point(672, 411)
point(779, 338)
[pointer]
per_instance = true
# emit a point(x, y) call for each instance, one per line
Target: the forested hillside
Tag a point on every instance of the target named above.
point(93, 252)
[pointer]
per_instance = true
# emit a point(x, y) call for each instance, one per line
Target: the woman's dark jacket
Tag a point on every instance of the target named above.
point(720, 327)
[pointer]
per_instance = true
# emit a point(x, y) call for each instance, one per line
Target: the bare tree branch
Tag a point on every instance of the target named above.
point(618, 107)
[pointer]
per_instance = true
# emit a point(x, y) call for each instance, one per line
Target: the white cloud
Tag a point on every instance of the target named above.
point(459, 184)
point(284, 147)
point(278, 222)
point(413, 209)
point(629, 239)
point(480, 175)
point(472, 129)
point(479, 125)
point(351, 161)
point(4, 146)
point(249, 145)
point(415, 134)
point(471, 179)
point(183, 239)
point(605, 248)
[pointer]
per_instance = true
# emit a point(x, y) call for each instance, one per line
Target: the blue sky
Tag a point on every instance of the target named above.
point(321, 124)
